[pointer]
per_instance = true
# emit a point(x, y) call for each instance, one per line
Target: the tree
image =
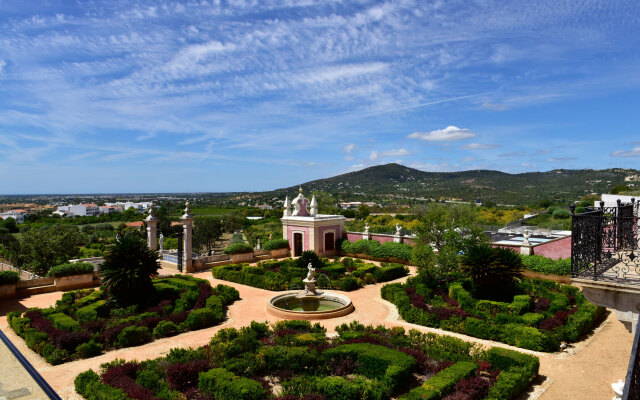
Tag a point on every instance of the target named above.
point(363, 211)
point(206, 231)
point(9, 248)
point(493, 270)
point(128, 268)
point(450, 230)
point(41, 249)
point(10, 225)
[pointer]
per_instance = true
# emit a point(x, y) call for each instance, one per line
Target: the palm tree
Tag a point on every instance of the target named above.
point(128, 268)
point(494, 270)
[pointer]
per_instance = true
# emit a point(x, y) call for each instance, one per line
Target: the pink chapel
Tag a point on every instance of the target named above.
point(305, 229)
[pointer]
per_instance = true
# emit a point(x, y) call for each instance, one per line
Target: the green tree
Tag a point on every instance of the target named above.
point(206, 231)
point(10, 224)
point(493, 270)
point(9, 248)
point(363, 211)
point(41, 249)
point(128, 268)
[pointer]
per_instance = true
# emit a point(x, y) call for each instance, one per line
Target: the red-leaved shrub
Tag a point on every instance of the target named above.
point(182, 376)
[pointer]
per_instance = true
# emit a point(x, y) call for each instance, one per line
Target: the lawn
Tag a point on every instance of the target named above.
point(539, 316)
point(347, 274)
point(84, 323)
point(294, 360)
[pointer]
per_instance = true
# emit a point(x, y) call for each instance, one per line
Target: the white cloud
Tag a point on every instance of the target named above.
point(559, 159)
point(468, 159)
point(450, 133)
point(635, 152)
point(349, 148)
point(376, 155)
point(342, 72)
point(431, 167)
point(3, 64)
point(479, 146)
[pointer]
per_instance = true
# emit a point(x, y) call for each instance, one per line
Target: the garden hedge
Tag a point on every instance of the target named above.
point(9, 277)
point(546, 265)
point(238, 248)
point(543, 316)
point(69, 269)
point(84, 323)
point(361, 363)
point(347, 275)
point(275, 244)
point(374, 249)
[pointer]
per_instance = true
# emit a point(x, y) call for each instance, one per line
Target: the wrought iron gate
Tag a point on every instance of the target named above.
point(604, 244)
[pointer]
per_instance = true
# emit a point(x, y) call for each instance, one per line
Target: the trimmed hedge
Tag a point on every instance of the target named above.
point(546, 265)
point(238, 248)
point(69, 269)
point(84, 322)
point(540, 320)
point(374, 249)
point(275, 244)
point(346, 275)
point(9, 277)
point(361, 363)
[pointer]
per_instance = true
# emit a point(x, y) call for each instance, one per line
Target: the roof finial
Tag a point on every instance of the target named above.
point(300, 190)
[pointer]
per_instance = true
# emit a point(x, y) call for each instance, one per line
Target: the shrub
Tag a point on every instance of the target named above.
point(275, 244)
point(339, 388)
point(91, 312)
point(444, 381)
point(561, 213)
point(225, 385)
point(347, 284)
point(9, 277)
point(546, 265)
point(164, 329)
point(64, 322)
point(69, 269)
point(182, 376)
point(201, 318)
point(238, 248)
point(390, 272)
point(89, 349)
point(133, 336)
point(309, 256)
point(491, 267)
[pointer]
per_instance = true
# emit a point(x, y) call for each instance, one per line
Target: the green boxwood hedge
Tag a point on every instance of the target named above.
point(238, 248)
point(546, 265)
point(275, 244)
point(374, 249)
point(9, 277)
point(69, 269)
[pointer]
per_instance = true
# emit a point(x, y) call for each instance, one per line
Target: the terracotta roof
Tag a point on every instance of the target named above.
point(20, 211)
point(135, 224)
point(176, 223)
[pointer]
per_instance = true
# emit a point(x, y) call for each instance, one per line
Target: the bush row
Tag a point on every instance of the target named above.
point(374, 249)
point(275, 244)
point(546, 265)
point(9, 277)
point(69, 269)
point(238, 248)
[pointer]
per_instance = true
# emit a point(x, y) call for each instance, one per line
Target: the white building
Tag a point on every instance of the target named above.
point(611, 200)
point(18, 215)
point(79, 210)
point(142, 206)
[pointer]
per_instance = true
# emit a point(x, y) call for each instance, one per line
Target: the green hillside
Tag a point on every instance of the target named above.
point(408, 184)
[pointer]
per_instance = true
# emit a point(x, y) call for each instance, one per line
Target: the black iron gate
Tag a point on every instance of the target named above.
point(604, 243)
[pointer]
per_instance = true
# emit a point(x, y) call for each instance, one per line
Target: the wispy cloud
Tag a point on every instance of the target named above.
point(377, 155)
point(635, 152)
point(449, 134)
point(479, 146)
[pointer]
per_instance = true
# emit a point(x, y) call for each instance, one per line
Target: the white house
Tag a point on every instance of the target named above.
point(18, 215)
point(79, 210)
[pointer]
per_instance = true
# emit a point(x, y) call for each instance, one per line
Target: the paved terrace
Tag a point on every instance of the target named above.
point(585, 371)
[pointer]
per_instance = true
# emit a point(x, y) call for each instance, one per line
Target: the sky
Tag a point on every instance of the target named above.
point(251, 95)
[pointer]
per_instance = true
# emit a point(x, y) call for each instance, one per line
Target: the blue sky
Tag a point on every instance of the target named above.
point(148, 96)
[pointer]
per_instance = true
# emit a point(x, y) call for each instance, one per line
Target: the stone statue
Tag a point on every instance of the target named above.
point(259, 246)
point(366, 228)
point(311, 275)
point(161, 243)
point(398, 230)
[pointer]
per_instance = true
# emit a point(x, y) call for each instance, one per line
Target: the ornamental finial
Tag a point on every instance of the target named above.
point(187, 210)
point(300, 190)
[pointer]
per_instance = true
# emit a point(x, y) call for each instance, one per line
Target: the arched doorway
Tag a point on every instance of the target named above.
point(329, 241)
point(297, 244)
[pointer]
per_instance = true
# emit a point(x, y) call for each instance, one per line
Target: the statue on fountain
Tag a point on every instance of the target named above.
point(310, 281)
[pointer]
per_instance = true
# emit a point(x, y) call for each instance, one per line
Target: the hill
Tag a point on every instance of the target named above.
point(395, 181)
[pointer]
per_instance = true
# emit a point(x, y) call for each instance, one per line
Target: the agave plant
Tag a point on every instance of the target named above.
point(491, 269)
point(128, 268)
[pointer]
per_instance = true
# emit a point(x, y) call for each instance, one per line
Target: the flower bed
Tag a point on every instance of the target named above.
point(293, 360)
point(542, 316)
point(347, 275)
point(85, 323)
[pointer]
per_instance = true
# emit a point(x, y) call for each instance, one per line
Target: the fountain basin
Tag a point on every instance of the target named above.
point(294, 305)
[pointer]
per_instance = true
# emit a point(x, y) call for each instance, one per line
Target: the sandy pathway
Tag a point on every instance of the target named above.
point(588, 373)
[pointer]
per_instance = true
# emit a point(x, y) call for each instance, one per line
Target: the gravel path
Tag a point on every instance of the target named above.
point(585, 371)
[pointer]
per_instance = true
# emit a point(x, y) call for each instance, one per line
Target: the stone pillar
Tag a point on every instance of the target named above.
point(152, 228)
point(187, 225)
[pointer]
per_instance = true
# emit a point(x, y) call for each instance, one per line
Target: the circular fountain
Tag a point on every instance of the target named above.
point(310, 304)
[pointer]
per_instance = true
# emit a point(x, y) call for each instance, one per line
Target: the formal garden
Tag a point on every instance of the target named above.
point(346, 274)
point(131, 308)
point(487, 299)
point(293, 360)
